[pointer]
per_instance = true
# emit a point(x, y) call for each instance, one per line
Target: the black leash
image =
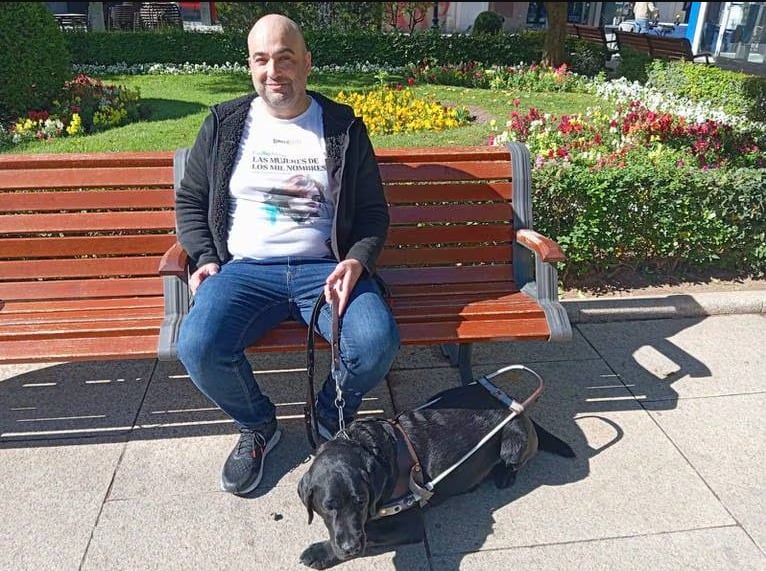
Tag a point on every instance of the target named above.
point(309, 410)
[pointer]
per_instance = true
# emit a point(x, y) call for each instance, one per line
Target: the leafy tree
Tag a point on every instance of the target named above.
point(36, 61)
point(553, 49)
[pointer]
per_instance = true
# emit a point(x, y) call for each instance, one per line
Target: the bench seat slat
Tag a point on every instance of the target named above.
point(93, 222)
point(71, 246)
point(399, 276)
point(81, 349)
point(38, 309)
point(39, 319)
point(80, 268)
point(77, 200)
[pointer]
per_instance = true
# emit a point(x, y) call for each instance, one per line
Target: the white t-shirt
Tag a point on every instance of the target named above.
point(279, 201)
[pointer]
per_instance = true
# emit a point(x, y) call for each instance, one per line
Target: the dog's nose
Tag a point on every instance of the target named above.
point(350, 548)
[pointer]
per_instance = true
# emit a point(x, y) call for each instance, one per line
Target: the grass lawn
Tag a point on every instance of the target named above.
point(180, 103)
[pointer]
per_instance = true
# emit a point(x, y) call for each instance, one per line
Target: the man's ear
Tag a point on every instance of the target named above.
point(305, 493)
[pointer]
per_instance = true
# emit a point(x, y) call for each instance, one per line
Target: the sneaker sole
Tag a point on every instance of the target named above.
point(269, 446)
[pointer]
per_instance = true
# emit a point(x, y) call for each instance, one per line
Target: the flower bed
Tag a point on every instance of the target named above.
point(86, 106)
point(389, 110)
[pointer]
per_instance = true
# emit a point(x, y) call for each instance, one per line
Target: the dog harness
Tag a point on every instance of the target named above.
point(410, 489)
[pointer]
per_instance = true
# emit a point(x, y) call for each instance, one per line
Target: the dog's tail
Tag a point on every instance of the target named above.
point(548, 442)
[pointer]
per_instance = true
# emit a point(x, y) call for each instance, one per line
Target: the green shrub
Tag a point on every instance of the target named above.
point(633, 65)
point(36, 60)
point(487, 22)
point(584, 57)
point(327, 47)
point(653, 211)
point(735, 92)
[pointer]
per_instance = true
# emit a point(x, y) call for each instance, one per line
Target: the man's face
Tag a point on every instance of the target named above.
point(279, 67)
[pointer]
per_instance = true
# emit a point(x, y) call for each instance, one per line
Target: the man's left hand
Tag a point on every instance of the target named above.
point(340, 283)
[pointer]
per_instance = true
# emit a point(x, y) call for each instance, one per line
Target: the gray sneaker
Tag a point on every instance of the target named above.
point(243, 469)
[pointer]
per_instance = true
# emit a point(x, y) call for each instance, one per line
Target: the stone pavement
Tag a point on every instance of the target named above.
point(107, 466)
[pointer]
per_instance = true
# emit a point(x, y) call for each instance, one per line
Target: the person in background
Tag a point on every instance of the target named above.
point(643, 13)
point(281, 202)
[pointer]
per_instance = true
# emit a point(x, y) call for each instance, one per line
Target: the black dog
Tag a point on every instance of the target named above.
point(352, 478)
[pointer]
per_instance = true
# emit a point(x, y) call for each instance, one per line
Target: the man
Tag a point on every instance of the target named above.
point(281, 202)
point(643, 13)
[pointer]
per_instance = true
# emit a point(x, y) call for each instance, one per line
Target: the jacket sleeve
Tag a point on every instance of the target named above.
point(370, 217)
point(193, 201)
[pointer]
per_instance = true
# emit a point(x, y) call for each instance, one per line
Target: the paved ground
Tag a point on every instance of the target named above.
point(109, 466)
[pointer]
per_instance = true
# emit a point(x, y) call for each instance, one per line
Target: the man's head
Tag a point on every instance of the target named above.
point(279, 65)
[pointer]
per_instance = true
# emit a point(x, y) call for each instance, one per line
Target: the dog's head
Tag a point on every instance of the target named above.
point(344, 486)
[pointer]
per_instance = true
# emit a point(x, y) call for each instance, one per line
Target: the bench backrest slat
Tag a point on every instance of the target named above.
point(74, 246)
point(443, 213)
point(92, 222)
point(79, 268)
point(139, 198)
point(402, 193)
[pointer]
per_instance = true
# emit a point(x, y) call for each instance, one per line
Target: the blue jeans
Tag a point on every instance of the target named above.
point(246, 299)
point(643, 25)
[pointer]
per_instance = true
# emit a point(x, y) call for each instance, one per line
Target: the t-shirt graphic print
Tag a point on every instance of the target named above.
point(279, 201)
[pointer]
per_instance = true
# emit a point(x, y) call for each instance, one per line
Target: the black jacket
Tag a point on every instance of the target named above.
point(361, 215)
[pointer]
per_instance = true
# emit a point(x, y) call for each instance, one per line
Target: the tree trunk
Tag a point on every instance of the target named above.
point(553, 50)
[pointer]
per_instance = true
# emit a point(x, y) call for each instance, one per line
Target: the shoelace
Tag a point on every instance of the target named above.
point(248, 440)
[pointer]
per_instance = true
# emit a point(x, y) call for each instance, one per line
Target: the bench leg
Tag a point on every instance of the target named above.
point(459, 355)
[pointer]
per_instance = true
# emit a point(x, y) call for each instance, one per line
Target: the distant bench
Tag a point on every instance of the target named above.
point(90, 268)
point(661, 47)
point(592, 34)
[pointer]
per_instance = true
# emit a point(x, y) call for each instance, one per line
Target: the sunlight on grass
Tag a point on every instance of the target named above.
point(179, 104)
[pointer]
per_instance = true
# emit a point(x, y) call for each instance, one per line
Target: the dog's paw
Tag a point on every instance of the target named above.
point(504, 476)
point(319, 556)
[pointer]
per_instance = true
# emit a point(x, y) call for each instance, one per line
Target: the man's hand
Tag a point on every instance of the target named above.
point(202, 274)
point(340, 283)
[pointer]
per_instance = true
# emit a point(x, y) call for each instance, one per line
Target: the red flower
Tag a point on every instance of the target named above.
point(411, 81)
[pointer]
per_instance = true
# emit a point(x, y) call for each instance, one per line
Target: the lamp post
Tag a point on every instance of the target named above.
point(435, 19)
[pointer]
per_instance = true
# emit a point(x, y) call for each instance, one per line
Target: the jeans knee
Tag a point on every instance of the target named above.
point(196, 348)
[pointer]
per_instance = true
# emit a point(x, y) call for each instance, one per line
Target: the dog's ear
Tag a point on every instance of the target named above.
point(305, 492)
point(376, 477)
point(519, 442)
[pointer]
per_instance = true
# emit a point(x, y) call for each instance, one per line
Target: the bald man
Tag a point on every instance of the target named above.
point(281, 202)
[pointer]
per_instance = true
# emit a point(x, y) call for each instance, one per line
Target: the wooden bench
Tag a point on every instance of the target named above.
point(661, 47)
point(83, 237)
point(593, 34)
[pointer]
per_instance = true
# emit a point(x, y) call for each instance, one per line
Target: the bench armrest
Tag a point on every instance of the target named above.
point(545, 248)
point(177, 300)
point(537, 278)
point(174, 262)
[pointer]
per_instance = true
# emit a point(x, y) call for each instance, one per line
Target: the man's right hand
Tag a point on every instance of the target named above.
point(201, 275)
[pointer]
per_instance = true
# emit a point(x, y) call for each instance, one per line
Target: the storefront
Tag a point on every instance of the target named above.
point(731, 30)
